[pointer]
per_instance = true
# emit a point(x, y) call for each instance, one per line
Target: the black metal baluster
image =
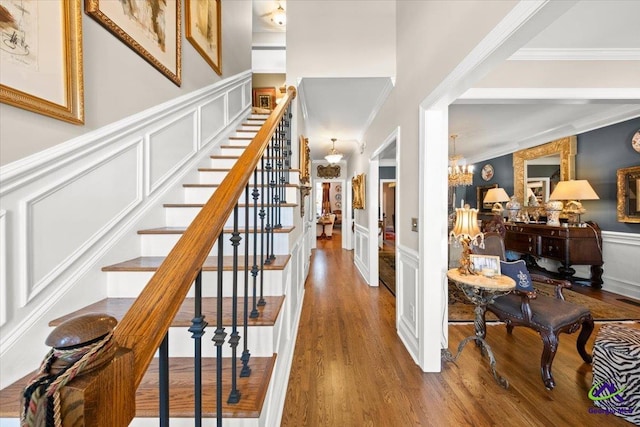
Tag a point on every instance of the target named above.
point(163, 378)
point(262, 214)
point(198, 324)
point(234, 394)
point(271, 208)
point(263, 231)
point(269, 192)
point(278, 168)
point(220, 334)
point(246, 370)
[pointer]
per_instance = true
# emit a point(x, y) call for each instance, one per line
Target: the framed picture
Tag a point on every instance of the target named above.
point(358, 183)
point(151, 28)
point(481, 191)
point(41, 58)
point(204, 31)
point(487, 172)
point(264, 97)
point(488, 265)
point(305, 161)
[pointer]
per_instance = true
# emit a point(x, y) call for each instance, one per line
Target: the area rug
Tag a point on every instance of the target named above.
point(461, 309)
point(387, 269)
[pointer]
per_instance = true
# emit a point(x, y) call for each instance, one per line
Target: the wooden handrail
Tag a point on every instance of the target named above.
point(145, 324)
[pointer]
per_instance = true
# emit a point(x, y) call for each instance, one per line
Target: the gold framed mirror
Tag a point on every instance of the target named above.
point(628, 207)
point(563, 148)
point(305, 161)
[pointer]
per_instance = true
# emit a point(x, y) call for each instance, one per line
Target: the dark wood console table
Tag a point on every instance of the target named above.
point(569, 245)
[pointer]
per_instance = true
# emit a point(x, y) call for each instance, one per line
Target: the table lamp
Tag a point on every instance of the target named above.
point(496, 196)
point(467, 232)
point(573, 191)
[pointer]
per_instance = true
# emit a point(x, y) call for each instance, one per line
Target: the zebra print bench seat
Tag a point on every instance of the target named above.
point(616, 371)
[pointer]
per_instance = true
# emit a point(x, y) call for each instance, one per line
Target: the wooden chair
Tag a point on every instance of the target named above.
point(549, 316)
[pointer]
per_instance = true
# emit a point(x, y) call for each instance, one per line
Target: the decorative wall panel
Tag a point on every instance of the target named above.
point(407, 297)
point(55, 227)
point(212, 119)
point(169, 148)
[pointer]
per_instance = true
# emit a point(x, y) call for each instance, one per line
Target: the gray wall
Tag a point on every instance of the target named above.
point(601, 153)
point(387, 172)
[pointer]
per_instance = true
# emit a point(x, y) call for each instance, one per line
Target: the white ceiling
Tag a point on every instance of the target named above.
point(343, 108)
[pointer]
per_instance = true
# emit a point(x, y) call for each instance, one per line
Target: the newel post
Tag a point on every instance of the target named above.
point(85, 380)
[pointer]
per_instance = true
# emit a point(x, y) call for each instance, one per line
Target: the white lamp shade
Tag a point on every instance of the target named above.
point(579, 189)
point(496, 195)
point(333, 158)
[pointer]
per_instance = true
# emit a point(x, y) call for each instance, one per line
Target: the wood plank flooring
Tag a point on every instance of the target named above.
point(351, 369)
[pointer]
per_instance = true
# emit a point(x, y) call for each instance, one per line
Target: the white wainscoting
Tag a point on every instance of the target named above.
point(69, 209)
point(621, 269)
point(361, 251)
point(407, 264)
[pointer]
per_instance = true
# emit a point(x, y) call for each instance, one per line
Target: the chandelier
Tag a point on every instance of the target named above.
point(334, 156)
point(459, 174)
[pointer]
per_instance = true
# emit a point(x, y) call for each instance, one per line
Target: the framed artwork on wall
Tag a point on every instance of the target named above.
point(264, 97)
point(481, 191)
point(204, 31)
point(152, 29)
point(358, 183)
point(41, 58)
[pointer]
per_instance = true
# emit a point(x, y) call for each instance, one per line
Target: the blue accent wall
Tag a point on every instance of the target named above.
point(600, 153)
point(387, 172)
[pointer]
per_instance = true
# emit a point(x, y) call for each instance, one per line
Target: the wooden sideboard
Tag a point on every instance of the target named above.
point(569, 245)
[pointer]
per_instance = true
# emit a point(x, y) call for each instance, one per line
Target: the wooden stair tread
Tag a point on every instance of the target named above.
point(253, 389)
point(151, 263)
point(180, 230)
point(118, 307)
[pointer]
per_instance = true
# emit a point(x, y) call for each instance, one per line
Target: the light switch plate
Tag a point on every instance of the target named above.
point(414, 224)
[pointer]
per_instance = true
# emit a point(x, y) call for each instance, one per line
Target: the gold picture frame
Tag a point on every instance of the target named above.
point(41, 58)
point(358, 183)
point(264, 97)
point(305, 160)
point(153, 33)
point(204, 30)
point(628, 200)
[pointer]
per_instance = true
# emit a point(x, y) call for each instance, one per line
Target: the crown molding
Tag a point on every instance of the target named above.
point(602, 54)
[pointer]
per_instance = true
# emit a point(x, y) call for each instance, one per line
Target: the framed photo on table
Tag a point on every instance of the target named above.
point(489, 262)
point(152, 29)
point(41, 58)
point(204, 30)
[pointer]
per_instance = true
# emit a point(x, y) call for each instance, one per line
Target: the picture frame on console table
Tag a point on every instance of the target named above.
point(41, 59)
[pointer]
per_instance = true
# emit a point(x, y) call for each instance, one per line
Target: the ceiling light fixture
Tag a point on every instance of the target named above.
point(459, 174)
point(279, 16)
point(334, 156)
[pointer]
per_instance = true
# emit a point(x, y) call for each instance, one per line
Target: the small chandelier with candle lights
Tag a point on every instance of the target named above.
point(459, 174)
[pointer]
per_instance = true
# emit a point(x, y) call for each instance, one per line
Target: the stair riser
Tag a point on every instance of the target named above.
point(202, 194)
point(183, 216)
point(129, 284)
point(261, 341)
point(244, 133)
point(161, 244)
point(216, 177)
point(222, 163)
point(227, 151)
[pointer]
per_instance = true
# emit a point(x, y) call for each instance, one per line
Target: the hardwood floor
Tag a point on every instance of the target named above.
point(351, 369)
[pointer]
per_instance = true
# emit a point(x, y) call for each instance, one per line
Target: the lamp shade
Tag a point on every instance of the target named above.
point(579, 189)
point(466, 223)
point(496, 195)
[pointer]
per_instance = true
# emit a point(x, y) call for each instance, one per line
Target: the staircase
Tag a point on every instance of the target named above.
point(269, 334)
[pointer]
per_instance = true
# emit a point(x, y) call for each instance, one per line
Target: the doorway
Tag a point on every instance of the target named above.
point(329, 202)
